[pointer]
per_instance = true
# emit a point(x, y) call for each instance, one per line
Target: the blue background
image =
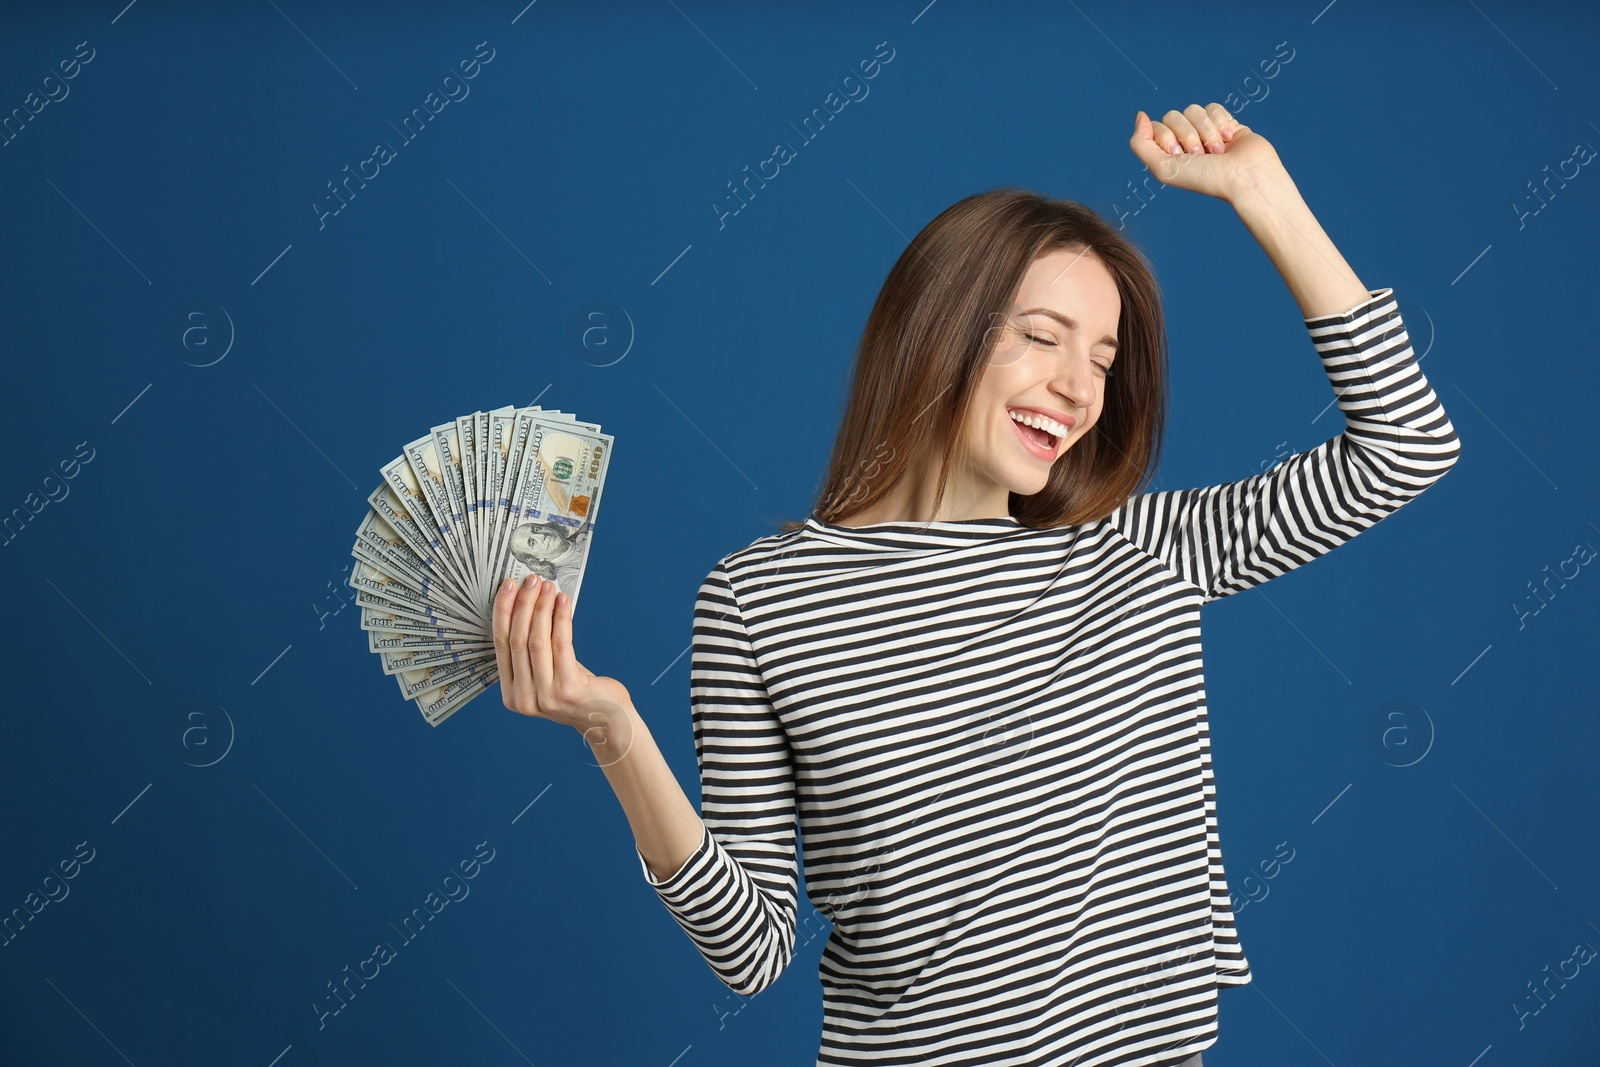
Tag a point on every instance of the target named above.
point(1396, 713)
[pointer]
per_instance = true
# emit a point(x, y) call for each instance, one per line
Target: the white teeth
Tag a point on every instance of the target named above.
point(1040, 422)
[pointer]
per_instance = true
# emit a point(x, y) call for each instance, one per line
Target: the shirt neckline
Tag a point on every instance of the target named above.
point(1006, 522)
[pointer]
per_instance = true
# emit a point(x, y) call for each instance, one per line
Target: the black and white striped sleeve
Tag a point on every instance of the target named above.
point(1397, 441)
point(736, 896)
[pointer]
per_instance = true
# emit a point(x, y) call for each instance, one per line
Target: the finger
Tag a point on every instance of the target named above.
point(563, 659)
point(521, 623)
point(1144, 144)
point(1226, 123)
point(1188, 136)
point(501, 629)
point(1156, 133)
point(539, 632)
point(1210, 135)
point(1166, 140)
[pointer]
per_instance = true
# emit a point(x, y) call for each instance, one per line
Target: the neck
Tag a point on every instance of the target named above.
point(911, 501)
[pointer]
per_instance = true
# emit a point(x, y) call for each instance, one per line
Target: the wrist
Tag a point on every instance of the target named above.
point(612, 732)
point(1263, 191)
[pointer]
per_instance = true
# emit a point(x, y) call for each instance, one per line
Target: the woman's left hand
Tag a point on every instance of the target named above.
point(1205, 150)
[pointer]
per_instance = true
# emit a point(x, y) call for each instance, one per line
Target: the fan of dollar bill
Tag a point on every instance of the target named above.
point(494, 494)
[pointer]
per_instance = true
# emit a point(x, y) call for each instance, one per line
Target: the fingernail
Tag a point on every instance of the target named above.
point(530, 581)
point(507, 585)
point(1176, 150)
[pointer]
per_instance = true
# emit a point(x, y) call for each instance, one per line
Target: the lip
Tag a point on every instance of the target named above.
point(1029, 447)
point(1035, 450)
point(1060, 416)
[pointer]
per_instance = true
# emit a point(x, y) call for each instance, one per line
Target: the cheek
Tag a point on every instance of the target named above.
point(1090, 419)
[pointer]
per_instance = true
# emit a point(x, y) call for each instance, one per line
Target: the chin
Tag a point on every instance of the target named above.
point(1029, 482)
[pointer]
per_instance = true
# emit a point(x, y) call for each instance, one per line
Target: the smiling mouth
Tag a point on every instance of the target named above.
point(1041, 443)
point(1041, 440)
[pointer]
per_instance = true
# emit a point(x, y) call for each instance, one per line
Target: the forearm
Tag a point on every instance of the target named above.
point(1321, 282)
point(665, 825)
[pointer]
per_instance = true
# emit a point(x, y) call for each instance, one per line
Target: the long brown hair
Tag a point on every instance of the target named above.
point(928, 339)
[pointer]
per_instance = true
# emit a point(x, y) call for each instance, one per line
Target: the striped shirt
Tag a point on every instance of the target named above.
point(992, 742)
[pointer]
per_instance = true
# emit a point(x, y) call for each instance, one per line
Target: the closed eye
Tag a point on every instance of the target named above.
point(1105, 368)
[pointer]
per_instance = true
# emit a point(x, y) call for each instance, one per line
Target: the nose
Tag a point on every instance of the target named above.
point(1074, 379)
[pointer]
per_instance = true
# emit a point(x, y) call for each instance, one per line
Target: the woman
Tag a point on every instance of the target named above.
point(972, 678)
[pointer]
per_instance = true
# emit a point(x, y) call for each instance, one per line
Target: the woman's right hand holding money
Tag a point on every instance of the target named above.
point(540, 675)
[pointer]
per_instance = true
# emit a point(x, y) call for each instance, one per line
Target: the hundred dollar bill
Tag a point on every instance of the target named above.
point(394, 557)
point(467, 435)
point(437, 710)
point(405, 641)
point(396, 640)
point(380, 537)
point(379, 589)
point(415, 682)
point(408, 492)
point(507, 436)
point(409, 659)
point(480, 488)
point(447, 444)
point(378, 543)
point(471, 683)
point(558, 481)
point(365, 553)
point(493, 439)
point(428, 470)
point(555, 502)
point(388, 506)
point(377, 619)
point(413, 613)
point(503, 481)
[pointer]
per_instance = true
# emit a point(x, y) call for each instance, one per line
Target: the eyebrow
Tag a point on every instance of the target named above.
point(1070, 324)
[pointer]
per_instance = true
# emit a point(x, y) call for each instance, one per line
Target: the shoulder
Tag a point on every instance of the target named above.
point(760, 558)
